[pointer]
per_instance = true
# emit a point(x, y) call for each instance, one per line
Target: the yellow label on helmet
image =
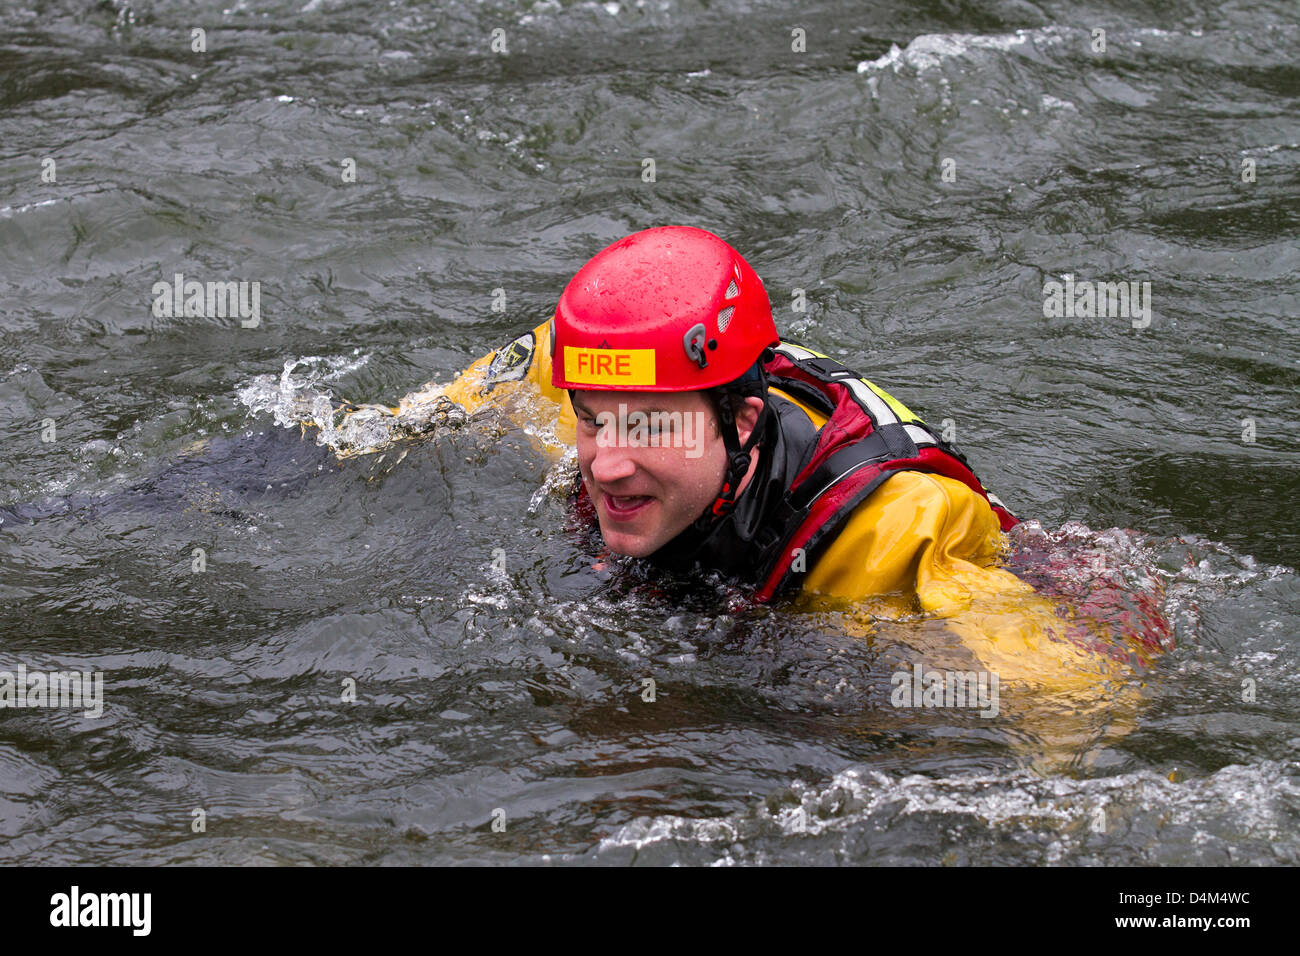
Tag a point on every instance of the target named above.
point(626, 367)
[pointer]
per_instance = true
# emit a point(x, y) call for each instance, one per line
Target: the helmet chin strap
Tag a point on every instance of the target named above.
point(738, 459)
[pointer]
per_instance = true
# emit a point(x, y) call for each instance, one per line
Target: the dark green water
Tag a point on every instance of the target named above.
point(520, 689)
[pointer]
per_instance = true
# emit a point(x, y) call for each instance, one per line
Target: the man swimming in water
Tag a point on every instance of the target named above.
point(704, 441)
point(767, 461)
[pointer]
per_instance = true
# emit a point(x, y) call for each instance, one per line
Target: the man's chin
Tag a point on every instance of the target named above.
point(632, 545)
point(623, 537)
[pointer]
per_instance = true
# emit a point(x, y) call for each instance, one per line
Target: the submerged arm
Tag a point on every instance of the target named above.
point(930, 544)
point(925, 549)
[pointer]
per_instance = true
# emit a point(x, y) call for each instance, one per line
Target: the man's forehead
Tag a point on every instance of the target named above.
point(595, 400)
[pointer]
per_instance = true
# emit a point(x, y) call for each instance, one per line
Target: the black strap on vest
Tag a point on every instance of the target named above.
point(886, 443)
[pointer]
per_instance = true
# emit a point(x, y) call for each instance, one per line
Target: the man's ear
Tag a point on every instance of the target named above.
point(747, 418)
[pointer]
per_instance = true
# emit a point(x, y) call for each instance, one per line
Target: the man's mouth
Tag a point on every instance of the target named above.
point(624, 507)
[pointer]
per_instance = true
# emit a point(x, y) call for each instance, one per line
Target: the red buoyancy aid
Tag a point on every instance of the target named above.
point(863, 442)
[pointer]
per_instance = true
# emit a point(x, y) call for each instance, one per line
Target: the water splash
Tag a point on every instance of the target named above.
point(295, 398)
point(1033, 819)
point(558, 483)
point(1142, 584)
point(929, 50)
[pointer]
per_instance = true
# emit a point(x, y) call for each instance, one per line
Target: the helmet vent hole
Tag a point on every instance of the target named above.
point(733, 290)
point(724, 318)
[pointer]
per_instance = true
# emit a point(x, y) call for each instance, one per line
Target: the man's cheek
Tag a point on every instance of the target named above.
point(584, 466)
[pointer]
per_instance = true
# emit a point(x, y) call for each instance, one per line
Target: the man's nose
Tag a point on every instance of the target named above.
point(613, 462)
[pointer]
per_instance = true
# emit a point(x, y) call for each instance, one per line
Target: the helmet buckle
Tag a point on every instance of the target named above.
point(693, 342)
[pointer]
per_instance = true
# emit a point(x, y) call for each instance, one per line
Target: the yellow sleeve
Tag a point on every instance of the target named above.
point(517, 379)
point(916, 533)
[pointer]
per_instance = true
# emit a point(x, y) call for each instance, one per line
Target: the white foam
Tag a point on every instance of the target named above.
point(8, 211)
point(931, 49)
point(1050, 102)
point(1251, 801)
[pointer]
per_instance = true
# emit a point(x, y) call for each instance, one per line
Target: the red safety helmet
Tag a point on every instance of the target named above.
point(670, 309)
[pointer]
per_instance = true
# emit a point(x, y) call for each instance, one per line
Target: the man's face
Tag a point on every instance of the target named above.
point(651, 461)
